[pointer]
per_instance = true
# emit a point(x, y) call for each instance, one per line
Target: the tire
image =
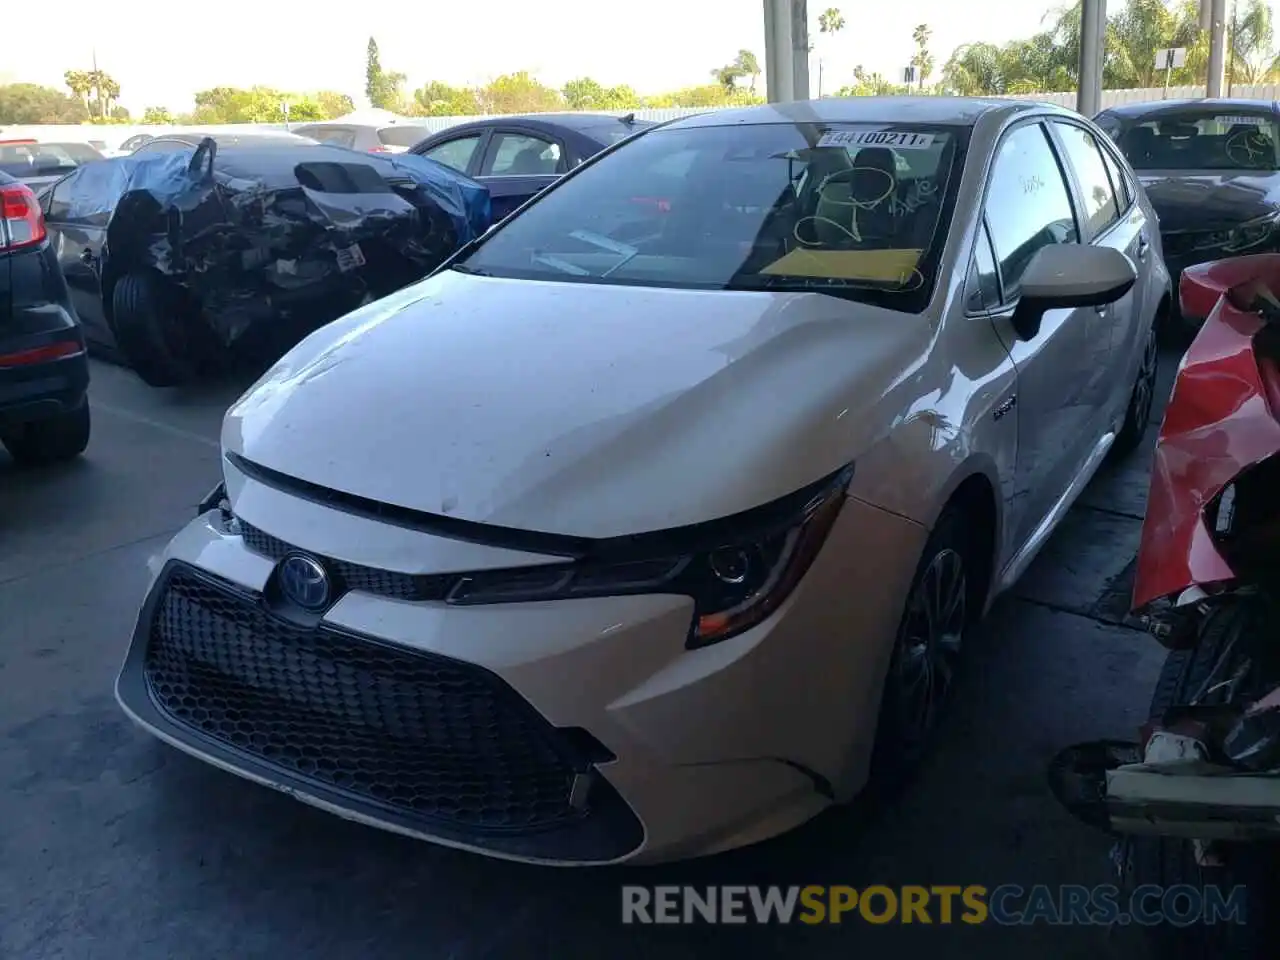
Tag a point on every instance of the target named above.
point(51, 440)
point(1167, 861)
point(147, 322)
point(903, 732)
point(1137, 415)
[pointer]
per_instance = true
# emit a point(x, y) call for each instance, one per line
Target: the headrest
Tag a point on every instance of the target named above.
point(875, 175)
point(1247, 129)
point(877, 158)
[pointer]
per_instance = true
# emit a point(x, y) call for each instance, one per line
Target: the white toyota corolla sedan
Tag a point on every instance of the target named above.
point(655, 522)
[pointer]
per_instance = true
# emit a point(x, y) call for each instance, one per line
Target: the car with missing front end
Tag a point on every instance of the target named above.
point(1211, 169)
point(44, 370)
point(643, 530)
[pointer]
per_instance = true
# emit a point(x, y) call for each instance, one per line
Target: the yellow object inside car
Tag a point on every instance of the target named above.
point(877, 266)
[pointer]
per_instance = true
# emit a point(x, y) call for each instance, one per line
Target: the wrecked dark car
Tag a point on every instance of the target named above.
point(181, 262)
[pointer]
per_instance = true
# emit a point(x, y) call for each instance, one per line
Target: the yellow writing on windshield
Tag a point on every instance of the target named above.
point(878, 266)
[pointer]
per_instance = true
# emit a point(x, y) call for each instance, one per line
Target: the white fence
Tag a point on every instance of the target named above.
point(113, 135)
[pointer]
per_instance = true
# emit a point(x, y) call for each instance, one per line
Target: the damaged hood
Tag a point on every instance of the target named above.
point(1210, 201)
point(581, 409)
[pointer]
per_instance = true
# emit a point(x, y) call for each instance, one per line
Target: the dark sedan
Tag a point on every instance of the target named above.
point(1212, 171)
point(44, 373)
point(516, 157)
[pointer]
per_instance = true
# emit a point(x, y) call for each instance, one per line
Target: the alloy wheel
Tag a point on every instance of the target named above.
point(929, 645)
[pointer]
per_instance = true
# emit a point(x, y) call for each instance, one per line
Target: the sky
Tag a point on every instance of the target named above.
point(161, 52)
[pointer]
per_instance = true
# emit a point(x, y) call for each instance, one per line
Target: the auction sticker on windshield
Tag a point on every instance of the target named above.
point(876, 138)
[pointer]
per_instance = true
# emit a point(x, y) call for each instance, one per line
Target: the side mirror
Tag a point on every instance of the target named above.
point(1066, 275)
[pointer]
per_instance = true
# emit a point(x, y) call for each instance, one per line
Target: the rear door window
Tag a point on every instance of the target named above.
point(1084, 155)
point(456, 153)
point(337, 136)
point(521, 155)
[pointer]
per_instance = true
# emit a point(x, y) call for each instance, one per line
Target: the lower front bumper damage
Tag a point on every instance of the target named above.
point(411, 742)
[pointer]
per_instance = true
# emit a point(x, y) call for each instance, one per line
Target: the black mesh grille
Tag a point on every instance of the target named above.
point(353, 576)
point(441, 739)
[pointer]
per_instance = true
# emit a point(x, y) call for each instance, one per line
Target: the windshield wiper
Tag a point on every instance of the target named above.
point(470, 270)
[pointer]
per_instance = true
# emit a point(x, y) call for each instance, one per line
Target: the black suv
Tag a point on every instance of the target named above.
point(44, 370)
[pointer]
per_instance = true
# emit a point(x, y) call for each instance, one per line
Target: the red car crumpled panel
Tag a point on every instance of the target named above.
point(1220, 419)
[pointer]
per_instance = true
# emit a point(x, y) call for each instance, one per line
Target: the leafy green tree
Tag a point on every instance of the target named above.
point(1252, 46)
point(79, 82)
point(588, 94)
point(157, 115)
point(33, 103)
point(749, 66)
point(437, 99)
point(518, 93)
point(333, 105)
point(384, 88)
point(266, 105)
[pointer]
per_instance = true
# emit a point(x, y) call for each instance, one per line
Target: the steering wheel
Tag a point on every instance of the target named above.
point(1247, 148)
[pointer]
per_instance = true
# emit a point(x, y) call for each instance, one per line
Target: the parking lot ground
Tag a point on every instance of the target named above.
point(113, 845)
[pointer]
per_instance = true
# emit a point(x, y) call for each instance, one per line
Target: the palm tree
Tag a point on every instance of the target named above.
point(79, 83)
point(830, 22)
point(749, 66)
point(923, 59)
point(1251, 42)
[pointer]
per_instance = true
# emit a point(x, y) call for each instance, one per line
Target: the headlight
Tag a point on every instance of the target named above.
point(737, 569)
point(1251, 233)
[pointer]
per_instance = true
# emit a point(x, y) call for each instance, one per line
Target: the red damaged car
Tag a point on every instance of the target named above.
point(1195, 800)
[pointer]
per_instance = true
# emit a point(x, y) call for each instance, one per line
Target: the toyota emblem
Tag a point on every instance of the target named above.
point(304, 581)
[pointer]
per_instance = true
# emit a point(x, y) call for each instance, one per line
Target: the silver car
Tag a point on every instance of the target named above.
point(657, 521)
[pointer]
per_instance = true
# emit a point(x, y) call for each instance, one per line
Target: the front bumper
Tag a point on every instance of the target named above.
point(569, 732)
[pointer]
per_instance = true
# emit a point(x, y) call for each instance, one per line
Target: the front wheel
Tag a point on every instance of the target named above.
point(149, 325)
point(1228, 634)
point(926, 654)
point(51, 440)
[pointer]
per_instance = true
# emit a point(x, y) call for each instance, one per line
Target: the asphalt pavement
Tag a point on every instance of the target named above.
point(113, 845)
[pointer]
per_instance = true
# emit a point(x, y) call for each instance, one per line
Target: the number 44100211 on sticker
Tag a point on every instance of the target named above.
point(899, 140)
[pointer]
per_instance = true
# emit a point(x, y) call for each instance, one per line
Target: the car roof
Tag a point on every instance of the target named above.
point(941, 110)
point(577, 122)
point(1147, 108)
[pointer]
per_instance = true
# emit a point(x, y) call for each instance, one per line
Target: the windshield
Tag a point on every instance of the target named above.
point(1201, 140)
point(33, 159)
point(850, 210)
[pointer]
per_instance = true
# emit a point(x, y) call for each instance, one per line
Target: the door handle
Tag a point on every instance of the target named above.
point(1144, 245)
point(86, 256)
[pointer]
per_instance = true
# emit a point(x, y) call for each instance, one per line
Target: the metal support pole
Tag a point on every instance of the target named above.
point(800, 49)
point(778, 68)
point(1217, 48)
point(1093, 29)
point(1231, 46)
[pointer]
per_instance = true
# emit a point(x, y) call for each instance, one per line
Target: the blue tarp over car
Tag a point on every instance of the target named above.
point(278, 231)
